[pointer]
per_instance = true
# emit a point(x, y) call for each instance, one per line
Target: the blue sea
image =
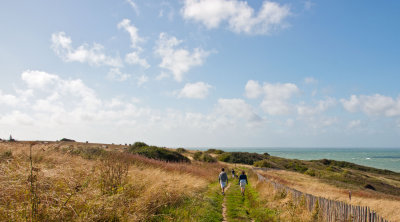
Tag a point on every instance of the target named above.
point(383, 158)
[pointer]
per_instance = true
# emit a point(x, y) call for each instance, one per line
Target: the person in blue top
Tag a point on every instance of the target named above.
point(242, 182)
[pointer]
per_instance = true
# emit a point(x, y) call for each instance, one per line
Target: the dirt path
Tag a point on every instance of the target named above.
point(224, 205)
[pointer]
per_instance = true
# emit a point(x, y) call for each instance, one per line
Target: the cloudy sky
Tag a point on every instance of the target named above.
point(202, 72)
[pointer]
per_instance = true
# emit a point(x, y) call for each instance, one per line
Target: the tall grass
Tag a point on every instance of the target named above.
point(111, 186)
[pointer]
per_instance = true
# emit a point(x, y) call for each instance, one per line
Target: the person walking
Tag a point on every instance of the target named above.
point(242, 182)
point(233, 173)
point(223, 180)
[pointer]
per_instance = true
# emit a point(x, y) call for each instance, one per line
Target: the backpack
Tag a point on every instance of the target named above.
point(223, 177)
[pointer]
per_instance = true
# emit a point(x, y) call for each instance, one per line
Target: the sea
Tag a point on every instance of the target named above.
point(382, 158)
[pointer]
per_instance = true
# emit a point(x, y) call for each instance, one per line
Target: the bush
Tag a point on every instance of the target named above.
point(214, 151)
point(263, 163)
point(197, 155)
point(310, 172)
point(139, 144)
point(157, 153)
point(205, 157)
point(67, 140)
point(181, 150)
point(241, 157)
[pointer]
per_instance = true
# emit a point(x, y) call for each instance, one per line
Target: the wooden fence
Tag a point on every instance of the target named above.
point(330, 210)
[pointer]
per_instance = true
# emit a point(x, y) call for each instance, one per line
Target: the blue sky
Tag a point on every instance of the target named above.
point(202, 72)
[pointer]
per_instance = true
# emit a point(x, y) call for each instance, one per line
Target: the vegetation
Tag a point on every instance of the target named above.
point(248, 207)
point(204, 157)
point(57, 182)
point(181, 150)
point(214, 151)
point(67, 140)
point(241, 157)
point(157, 153)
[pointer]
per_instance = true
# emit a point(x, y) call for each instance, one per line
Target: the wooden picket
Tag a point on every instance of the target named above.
point(330, 210)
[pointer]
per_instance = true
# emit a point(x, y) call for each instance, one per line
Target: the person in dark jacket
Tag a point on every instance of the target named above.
point(223, 180)
point(242, 182)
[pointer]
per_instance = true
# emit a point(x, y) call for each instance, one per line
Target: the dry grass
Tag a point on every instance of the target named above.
point(69, 187)
point(385, 205)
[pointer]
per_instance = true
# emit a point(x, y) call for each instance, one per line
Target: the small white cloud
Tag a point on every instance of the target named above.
point(133, 32)
point(321, 106)
point(162, 76)
point(253, 89)
point(276, 98)
point(134, 57)
point(116, 74)
point(198, 90)
point(62, 46)
point(134, 6)
point(354, 124)
point(373, 105)
point(310, 80)
point(240, 17)
point(177, 60)
point(142, 79)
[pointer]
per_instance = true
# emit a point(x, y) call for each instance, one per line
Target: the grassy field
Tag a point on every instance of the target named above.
point(385, 205)
point(71, 181)
point(81, 182)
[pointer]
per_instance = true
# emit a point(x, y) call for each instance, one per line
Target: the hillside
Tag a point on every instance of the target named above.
point(72, 181)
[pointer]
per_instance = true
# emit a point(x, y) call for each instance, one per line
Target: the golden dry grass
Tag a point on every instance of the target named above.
point(68, 186)
point(385, 205)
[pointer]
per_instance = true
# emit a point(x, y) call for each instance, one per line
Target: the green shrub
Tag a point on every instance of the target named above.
point(310, 172)
point(225, 157)
point(208, 158)
point(205, 157)
point(263, 163)
point(158, 153)
point(197, 155)
point(67, 140)
point(214, 151)
point(241, 157)
point(88, 152)
point(181, 150)
point(139, 144)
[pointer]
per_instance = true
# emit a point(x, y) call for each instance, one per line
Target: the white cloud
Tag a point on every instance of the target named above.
point(321, 106)
point(198, 90)
point(134, 6)
point(230, 110)
point(310, 80)
point(62, 46)
point(142, 79)
point(373, 105)
point(116, 74)
point(9, 100)
point(133, 32)
point(162, 76)
point(133, 57)
point(276, 98)
point(253, 89)
point(178, 60)
point(240, 17)
point(354, 124)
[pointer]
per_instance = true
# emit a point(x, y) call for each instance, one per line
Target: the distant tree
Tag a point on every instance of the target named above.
point(11, 139)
